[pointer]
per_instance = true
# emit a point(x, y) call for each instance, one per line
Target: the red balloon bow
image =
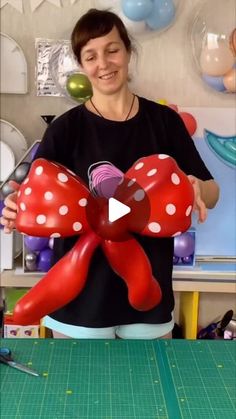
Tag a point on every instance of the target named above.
point(54, 202)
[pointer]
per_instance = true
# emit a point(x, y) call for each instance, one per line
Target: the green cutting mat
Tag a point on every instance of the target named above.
point(120, 379)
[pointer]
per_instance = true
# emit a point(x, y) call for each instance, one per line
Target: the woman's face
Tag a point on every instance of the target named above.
point(105, 61)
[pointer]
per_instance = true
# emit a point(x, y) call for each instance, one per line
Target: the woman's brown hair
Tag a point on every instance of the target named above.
point(96, 23)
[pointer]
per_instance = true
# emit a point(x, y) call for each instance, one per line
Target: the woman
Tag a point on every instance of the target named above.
point(118, 126)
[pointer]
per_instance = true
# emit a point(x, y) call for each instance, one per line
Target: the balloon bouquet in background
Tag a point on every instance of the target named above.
point(142, 17)
point(37, 251)
point(213, 36)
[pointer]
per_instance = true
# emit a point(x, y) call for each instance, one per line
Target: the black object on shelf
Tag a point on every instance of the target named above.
point(48, 118)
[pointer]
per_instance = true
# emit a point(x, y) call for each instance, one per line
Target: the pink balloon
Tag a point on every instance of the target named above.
point(174, 107)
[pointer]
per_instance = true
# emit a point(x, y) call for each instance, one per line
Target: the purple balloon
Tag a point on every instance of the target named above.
point(34, 151)
point(44, 260)
point(187, 260)
point(175, 260)
point(184, 245)
point(36, 243)
point(1, 208)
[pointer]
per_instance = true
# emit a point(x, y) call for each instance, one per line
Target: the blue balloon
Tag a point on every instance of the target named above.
point(214, 82)
point(137, 10)
point(162, 15)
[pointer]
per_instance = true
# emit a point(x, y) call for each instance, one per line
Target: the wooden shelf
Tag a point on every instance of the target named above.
point(194, 279)
point(190, 282)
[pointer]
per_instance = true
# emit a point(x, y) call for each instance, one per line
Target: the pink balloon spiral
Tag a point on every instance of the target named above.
point(104, 179)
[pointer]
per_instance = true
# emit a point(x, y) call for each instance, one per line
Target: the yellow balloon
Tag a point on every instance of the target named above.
point(162, 102)
point(79, 87)
point(216, 60)
point(229, 81)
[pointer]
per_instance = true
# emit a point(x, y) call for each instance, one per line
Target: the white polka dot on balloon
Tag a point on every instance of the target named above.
point(54, 235)
point(22, 206)
point(139, 166)
point(131, 182)
point(28, 191)
point(152, 172)
point(62, 177)
point(188, 210)
point(41, 219)
point(175, 179)
point(48, 196)
point(63, 210)
point(77, 226)
point(39, 170)
point(139, 195)
point(170, 209)
point(83, 202)
point(154, 227)
point(26, 181)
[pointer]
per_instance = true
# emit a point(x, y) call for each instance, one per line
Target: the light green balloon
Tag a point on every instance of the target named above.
point(79, 87)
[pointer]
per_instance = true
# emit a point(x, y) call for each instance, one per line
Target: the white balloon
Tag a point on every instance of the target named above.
point(114, 5)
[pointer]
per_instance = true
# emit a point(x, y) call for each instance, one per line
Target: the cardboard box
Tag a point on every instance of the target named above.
point(12, 330)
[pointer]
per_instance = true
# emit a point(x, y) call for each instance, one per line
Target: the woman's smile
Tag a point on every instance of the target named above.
point(108, 76)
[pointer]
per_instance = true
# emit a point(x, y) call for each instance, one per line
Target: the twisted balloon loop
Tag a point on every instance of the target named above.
point(54, 202)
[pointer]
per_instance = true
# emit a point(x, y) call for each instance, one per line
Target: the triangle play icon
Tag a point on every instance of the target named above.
point(116, 210)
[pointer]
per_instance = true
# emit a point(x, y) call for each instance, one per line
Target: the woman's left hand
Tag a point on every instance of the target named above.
point(199, 205)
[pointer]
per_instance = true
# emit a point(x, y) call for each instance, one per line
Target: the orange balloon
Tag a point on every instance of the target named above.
point(232, 42)
point(189, 121)
point(229, 81)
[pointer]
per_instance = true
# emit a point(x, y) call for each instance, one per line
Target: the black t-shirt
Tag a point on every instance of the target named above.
point(80, 138)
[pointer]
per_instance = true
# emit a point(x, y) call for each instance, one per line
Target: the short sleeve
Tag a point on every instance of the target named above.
point(184, 150)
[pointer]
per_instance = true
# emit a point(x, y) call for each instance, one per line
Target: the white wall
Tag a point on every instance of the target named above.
point(165, 69)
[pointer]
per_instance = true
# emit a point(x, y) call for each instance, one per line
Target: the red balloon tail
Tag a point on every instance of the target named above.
point(60, 285)
point(131, 263)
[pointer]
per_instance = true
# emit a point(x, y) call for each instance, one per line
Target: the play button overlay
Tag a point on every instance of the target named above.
point(116, 210)
point(121, 215)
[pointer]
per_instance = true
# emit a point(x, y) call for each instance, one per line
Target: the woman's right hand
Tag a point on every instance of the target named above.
point(9, 212)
